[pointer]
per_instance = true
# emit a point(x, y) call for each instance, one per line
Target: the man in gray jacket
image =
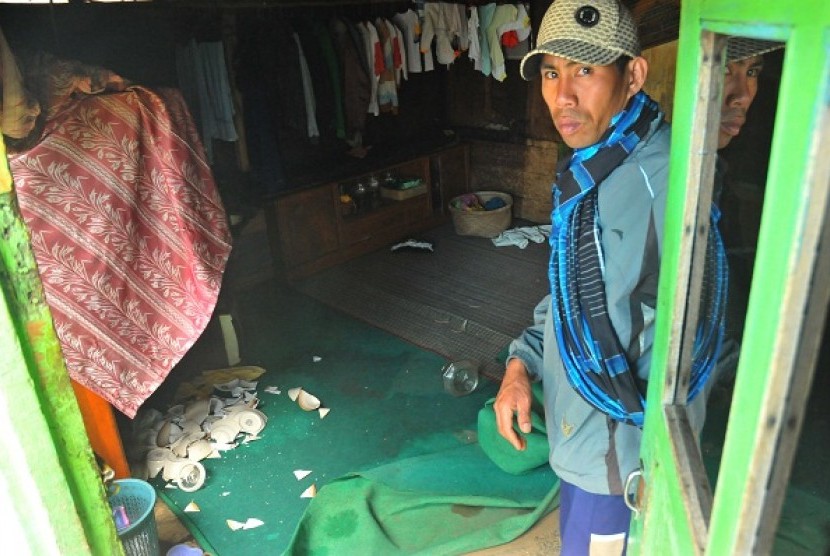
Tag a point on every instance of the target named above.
point(591, 344)
point(592, 339)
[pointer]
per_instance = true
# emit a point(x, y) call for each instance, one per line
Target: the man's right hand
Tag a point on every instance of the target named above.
point(514, 398)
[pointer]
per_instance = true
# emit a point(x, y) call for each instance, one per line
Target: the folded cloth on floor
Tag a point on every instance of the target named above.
point(522, 236)
point(501, 452)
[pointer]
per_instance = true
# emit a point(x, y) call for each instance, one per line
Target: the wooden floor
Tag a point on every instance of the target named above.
point(170, 530)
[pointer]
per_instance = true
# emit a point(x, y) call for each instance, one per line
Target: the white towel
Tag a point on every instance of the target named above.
point(521, 237)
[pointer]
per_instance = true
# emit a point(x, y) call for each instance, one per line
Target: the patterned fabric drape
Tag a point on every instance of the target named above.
point(130, 237)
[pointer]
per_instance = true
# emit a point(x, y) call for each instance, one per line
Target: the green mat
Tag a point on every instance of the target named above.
point(387, 406)
point(448, 502)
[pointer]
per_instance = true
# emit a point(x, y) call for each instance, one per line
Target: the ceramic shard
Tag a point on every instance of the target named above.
point(301, 473)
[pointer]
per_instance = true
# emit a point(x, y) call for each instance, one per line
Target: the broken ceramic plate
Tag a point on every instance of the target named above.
point(307, 402)
point(301, 473)
point(310, 492)
point(155, 459)
point(199, 450)
point(234, 525)
point(188, 475)
point(192, 507)
point(191, 428)
point(236, 387)
point(168, 434)
point(224, 431)
point(251, 421)
point(250, 523)
point(323, 412)
point(197, 411)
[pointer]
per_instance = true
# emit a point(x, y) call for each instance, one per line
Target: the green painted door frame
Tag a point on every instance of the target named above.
point(48, 474)
point(788, 297)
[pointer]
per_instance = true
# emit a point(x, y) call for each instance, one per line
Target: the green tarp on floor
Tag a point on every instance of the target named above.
point(390, 420)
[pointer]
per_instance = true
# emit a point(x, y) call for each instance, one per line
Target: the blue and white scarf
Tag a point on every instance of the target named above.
point(596, 364)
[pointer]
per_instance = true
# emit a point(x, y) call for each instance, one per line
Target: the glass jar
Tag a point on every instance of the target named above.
point(359, 194)
point(460, 377)
point(374, 190)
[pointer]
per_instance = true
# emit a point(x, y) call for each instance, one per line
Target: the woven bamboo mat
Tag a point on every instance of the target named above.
point(464, 300)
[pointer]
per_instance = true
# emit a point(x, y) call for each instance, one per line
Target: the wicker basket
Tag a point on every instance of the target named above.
point(483, 223)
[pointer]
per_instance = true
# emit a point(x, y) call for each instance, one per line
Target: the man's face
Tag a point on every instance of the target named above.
point(740, 83)
point(582, 99)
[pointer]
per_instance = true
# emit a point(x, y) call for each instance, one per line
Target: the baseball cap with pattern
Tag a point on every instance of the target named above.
point(741, 48)
point(594, 32)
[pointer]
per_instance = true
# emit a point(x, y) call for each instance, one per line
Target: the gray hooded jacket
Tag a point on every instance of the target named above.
point(588, 449)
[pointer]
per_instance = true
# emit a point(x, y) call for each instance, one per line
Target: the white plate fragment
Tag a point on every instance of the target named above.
point(301, 474)
point(323, 412)
point(253, 522)
point(294, 393)
point(192, 507)
point(308, 402)
point(310, 492)
point(272, 390)
point(250, 523)
point(316, 358)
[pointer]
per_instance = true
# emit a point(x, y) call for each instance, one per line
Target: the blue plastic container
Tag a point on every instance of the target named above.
point(136, 499)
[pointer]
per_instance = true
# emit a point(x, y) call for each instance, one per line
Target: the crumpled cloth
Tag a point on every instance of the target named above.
point(521, 237)
point(449, 502)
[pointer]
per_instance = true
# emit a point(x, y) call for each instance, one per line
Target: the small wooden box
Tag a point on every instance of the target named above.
point(401, 194)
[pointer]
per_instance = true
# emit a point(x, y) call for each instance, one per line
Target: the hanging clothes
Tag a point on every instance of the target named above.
point(282, 73)
point(485, 16)
point(321, 77)
point(324, 39)
point(504, 13)
point(258, 81)
point(205, 63)
point(514, 35)
point(446, 23)
point(474, 51)
point(410, 26)
point(374, 60)
point(357, 88)
point(387, 85)
point(308, 91)
point(398, 53)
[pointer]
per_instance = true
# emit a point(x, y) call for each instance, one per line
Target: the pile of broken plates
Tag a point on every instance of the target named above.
point(173, 443)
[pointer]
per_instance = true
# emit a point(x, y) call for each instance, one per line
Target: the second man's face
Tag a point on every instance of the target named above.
point(582, 98)
point(740, 84)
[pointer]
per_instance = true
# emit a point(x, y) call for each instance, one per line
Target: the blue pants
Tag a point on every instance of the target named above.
point(595, 524)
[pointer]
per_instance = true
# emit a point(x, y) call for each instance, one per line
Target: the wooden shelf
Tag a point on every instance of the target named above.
point(311, 229)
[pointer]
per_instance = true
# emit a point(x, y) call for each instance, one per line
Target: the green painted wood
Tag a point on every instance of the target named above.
point(663, 526)
point(48, 468)
point(802, 100)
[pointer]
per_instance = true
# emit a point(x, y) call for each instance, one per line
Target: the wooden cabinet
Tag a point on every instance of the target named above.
point(307, 225)
point(451, 171)
point(312, 228)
